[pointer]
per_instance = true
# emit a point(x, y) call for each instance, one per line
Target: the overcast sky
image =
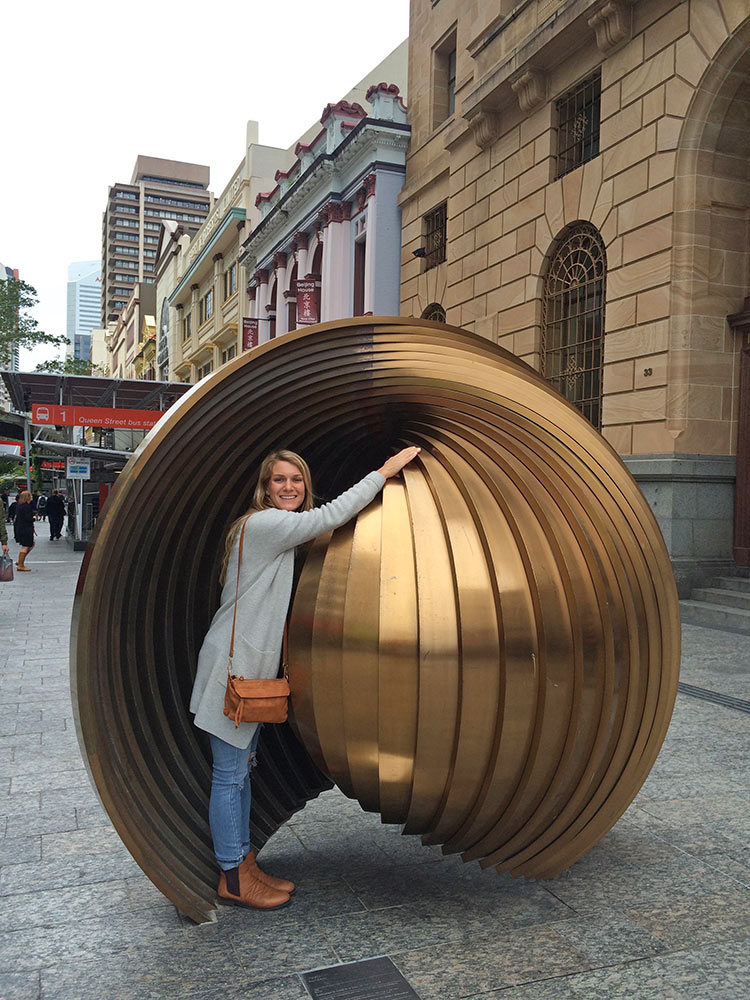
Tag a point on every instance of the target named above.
point(88, 86)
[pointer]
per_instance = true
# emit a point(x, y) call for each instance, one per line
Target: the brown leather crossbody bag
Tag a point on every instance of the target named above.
point(255, 699)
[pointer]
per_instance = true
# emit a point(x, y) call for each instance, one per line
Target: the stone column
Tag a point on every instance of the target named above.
point(338, 269)
point(175, 348)
point(279, 263)
point(325, 267)
point(218, 259)
point(261, 300)
point(740, 323)
point(370, 256)
point(301, 240)
point(195, 313)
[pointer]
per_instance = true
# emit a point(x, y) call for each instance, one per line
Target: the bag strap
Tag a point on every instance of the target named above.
point(284, 641)
point(236, 595)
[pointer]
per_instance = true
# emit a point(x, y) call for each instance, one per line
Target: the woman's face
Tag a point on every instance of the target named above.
point(286, 487)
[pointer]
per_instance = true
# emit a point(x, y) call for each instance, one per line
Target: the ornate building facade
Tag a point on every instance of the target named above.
point(328, 242)
point(577, 190)
point(200, 297)
point(208, 294)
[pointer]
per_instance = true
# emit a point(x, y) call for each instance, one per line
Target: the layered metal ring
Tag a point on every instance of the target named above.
point(488, 654)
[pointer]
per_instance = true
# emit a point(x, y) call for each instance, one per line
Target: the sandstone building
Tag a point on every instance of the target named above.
point(578, 190)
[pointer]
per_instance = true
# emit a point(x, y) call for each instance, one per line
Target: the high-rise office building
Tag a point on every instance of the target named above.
point(7, 274)
point(159, 189)
point(84, 306)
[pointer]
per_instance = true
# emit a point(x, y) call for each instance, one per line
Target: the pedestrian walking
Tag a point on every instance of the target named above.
point(56, 514)
point(281, 517)
point(23, 529)
point(3, 535)
point(41, 507)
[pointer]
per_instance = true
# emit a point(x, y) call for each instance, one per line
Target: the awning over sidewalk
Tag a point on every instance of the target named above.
point(27, 388)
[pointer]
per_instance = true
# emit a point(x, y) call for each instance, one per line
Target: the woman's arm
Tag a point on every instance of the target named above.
point(280, 530)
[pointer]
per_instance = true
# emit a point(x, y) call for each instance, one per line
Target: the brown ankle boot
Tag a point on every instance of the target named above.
point(280, 884)
point(237, 887)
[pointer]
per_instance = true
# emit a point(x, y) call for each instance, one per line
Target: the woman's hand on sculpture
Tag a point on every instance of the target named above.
point(393, 465)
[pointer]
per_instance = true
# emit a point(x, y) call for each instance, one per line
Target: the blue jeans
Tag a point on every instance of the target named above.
point(229, 805)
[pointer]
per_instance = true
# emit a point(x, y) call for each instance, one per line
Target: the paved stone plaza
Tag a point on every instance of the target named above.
point(659, 909)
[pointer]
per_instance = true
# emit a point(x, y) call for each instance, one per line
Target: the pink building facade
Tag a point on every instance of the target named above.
point(328, 243)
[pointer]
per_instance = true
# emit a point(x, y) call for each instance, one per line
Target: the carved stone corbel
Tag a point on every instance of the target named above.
point(485, 126)
point(611, 23)
point(530, 87)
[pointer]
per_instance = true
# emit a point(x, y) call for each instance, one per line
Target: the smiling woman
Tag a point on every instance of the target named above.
point(254, 603)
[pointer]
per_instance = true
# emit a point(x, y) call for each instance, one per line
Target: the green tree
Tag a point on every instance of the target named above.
point(18, 328)
point(10, 471)
point(70, 366)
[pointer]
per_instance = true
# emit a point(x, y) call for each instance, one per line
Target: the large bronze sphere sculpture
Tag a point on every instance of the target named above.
point(487, 655)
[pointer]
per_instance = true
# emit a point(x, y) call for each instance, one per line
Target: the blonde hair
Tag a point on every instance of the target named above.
point(24, 497)
point(262, 499)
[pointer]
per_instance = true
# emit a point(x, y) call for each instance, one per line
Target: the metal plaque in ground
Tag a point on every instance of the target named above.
point(370, 979)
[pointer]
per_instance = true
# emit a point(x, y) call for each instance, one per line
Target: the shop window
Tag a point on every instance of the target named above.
point(573, 321)
point(578, 121)
point(435, 236)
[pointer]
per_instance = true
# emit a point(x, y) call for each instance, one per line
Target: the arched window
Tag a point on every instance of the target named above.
point(435, 312)
point(573, 321)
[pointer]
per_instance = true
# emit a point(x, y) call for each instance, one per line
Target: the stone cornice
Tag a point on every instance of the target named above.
point(370, 134)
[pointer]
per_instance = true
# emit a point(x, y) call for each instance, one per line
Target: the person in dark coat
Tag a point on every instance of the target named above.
point(23, 528)
point(56, 514)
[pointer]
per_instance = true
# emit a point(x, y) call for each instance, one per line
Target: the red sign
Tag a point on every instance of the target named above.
point(249, 334)
point(308, 300)
point(95, 416)
point(53, 464)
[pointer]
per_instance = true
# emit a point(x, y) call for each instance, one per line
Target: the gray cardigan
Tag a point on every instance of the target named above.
point(266, 578)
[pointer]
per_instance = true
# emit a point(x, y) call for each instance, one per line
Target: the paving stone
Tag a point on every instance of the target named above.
point(40, 821)
point(21, 740)
point(17, 850)
point(268, 944)
point(36, 908)
point(488, 962)
point(81, 870)
point(143, 894)
point(75, 843)
point(92, 817)
point(84, 939)
point(41, 782)
point(151, 970)
point(20, 985)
